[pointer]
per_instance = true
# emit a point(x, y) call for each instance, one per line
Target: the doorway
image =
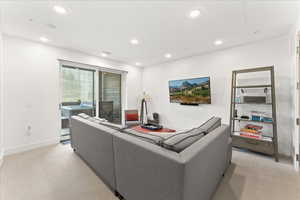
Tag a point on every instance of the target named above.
point(78, 96)
point(93, 90)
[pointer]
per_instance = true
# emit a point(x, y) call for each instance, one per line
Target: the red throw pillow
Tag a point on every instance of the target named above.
point(132, 117)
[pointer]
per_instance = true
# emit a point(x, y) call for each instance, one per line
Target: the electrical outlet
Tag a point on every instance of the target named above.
point(28, 130)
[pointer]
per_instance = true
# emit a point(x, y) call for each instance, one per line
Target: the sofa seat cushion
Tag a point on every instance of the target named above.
point(180, 141)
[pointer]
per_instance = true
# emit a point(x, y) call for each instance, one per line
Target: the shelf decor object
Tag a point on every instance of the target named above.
point(249, 132)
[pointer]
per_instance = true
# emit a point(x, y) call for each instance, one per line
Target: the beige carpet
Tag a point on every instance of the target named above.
point(56, 173)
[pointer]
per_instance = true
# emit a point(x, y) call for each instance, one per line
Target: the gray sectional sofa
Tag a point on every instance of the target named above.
point(136, 169)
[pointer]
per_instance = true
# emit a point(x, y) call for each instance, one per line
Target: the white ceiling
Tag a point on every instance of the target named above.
point(161, 27)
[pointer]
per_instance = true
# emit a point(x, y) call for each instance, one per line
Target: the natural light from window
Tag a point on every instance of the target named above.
point(78, 85)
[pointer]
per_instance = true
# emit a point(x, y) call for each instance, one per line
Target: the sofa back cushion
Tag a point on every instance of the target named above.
point(101, 121)
point(180, 141)
point(155, 139)
point(112, 125)
point(211, 124)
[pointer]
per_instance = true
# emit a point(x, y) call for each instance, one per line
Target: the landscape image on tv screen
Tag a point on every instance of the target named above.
point(190, 91)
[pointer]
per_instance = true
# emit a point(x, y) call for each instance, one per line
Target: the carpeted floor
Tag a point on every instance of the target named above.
point(256, 177)
point(56, 173)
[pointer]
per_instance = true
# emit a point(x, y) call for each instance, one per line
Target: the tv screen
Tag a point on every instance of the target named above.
point(190, 91)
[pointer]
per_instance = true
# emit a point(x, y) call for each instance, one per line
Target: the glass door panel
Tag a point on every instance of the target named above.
point(78, 95)
point(110, 97)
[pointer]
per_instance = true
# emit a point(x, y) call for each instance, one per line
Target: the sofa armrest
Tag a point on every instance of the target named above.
point(205, 163)
point(147, 171)
point(94, 144)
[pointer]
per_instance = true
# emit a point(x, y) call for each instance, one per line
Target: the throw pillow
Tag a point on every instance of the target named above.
point(132, 117)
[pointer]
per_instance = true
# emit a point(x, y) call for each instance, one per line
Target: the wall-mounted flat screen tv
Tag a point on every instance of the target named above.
point(190, 91)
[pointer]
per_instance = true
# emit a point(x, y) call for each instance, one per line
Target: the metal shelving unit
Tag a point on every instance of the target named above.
point(248, 120)
point(265, 145)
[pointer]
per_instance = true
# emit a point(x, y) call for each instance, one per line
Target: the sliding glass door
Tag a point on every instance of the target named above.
point(82, 88)
point(78, 95)
point(110, 97)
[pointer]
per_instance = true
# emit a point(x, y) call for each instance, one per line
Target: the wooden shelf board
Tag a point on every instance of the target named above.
point(253, 86)
point(254, 103)
point(264, 140)
point(248, 120)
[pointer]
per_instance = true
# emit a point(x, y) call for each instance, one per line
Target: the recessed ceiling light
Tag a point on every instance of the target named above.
point(168, 55)
point(218, 42)
point(138, 64)
point(134, 41)
point(105, 53)
point(44, 39)
point(59, 9)
point(194, 14)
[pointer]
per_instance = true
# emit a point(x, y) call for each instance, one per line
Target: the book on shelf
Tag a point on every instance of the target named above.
point(252, 131)
point(253, 127)
point(249, 135)
point(254, 136)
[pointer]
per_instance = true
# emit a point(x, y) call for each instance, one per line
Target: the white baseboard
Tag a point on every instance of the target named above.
point(31, 146)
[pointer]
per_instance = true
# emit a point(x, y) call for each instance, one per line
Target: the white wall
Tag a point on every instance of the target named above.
point(294, 43)
point(31, 91)
point(1, 91)
point(218, 66)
